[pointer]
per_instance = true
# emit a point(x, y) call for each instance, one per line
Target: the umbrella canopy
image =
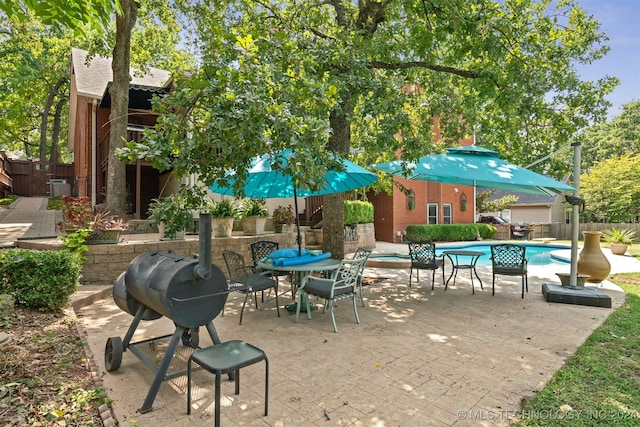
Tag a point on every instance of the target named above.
point(478, 167)
point(265, 180)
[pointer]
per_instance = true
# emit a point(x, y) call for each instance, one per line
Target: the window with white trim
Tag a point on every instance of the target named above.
point(447, 216)
point(432, 213)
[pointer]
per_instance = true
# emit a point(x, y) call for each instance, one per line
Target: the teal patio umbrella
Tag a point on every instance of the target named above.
point(266, 180)
point(475, 166)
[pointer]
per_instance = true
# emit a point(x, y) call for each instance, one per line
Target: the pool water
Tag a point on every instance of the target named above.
point(537, 254)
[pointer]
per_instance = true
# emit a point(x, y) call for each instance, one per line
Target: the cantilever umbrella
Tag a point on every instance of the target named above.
point(478, 167)
point(265, 180)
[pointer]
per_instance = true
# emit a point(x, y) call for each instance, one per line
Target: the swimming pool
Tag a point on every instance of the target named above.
point(538, 254)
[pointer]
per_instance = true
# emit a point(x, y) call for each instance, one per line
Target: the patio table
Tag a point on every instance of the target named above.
point(299, 271)
point(463, 259)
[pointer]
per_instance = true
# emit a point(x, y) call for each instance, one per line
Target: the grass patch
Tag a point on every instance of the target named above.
point(600, 384)
point(55, 204)
point(6, 201)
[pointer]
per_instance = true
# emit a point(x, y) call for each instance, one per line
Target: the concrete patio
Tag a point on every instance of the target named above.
point(418, 358)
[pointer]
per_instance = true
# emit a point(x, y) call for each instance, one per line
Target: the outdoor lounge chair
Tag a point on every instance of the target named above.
point(423, 257)
point(509, 260)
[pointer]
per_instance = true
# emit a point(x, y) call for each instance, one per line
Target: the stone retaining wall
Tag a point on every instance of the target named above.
point(106, 262)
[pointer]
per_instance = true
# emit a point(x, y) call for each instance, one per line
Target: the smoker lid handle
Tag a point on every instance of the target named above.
point(199, 297)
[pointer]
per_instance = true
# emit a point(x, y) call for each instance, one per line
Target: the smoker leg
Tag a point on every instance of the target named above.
point(134, 325)
point(162, 370)
point(213, 333)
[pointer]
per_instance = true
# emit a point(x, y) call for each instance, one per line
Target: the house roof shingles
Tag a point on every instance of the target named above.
point(92, 79)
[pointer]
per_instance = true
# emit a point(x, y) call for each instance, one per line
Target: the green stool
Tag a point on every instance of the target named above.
point(224, 358)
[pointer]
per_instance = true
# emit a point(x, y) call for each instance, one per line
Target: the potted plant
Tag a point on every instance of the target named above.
point(254, 216)
point(172, 214)
point(82, 226)
point(619, 239)
point(223, 213)
point(283, 216)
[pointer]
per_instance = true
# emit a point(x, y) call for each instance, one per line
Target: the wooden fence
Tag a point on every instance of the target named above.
point(563, 231)
point(32, 178)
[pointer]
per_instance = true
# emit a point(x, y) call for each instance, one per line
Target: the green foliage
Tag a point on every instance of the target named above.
point(482, 205)
point(95, 13)
point(283, 215)
point(6, 201)
point(619, 235)
point(613, 138)
point(174, 211)
point(254, 207)
point(611, 191)
point(357, 212)
point(39, 279)
point(75, 241)
point(80, 221)
point(365, 71)
point(449, 232)
point(223, 208)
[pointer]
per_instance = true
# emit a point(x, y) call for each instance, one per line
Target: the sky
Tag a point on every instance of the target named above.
point(619, 20)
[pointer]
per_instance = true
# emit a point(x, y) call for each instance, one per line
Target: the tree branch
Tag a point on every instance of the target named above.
point(420, 64)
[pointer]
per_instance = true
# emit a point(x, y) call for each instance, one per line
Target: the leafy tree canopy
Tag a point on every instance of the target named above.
point(344, 75)
point(612, 138)
point(75, 15)
point(611, 190)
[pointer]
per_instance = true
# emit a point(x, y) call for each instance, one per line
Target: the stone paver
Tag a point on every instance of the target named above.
point(418, 358)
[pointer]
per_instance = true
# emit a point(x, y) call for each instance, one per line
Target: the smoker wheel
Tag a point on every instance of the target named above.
point(113, 353)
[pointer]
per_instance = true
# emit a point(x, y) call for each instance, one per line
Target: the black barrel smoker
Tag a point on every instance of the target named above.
point(191, 292)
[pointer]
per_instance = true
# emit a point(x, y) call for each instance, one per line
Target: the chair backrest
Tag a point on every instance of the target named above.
point(424, 253)
point(508, 255)
point(261, 249)
point(362, 252)
point(235, 265)
point(349, 271)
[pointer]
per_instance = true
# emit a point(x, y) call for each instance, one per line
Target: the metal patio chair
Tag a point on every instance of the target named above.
point(260, 250)
point(423, 257)
point(361, 253)
point(342, 286)
point(509, 260)
point(243, 279)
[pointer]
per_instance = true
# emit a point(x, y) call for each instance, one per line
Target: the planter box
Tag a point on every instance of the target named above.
point(179, 235)
point(221, 227)
point(254, 224)
point(103, 237)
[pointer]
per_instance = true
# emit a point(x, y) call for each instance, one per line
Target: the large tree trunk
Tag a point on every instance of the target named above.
point(44, 124)
point(339, 143)
point(55, 135)
point(119, 91)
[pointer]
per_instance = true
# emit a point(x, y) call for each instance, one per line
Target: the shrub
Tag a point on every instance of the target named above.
point(40, 279)
point(449, 232)
point(357, 212)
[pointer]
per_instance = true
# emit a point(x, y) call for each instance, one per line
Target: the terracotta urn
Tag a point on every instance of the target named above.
point(591, 260)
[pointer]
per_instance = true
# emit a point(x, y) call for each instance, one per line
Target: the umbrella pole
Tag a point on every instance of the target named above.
point(299, 236)
point(575, 215)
